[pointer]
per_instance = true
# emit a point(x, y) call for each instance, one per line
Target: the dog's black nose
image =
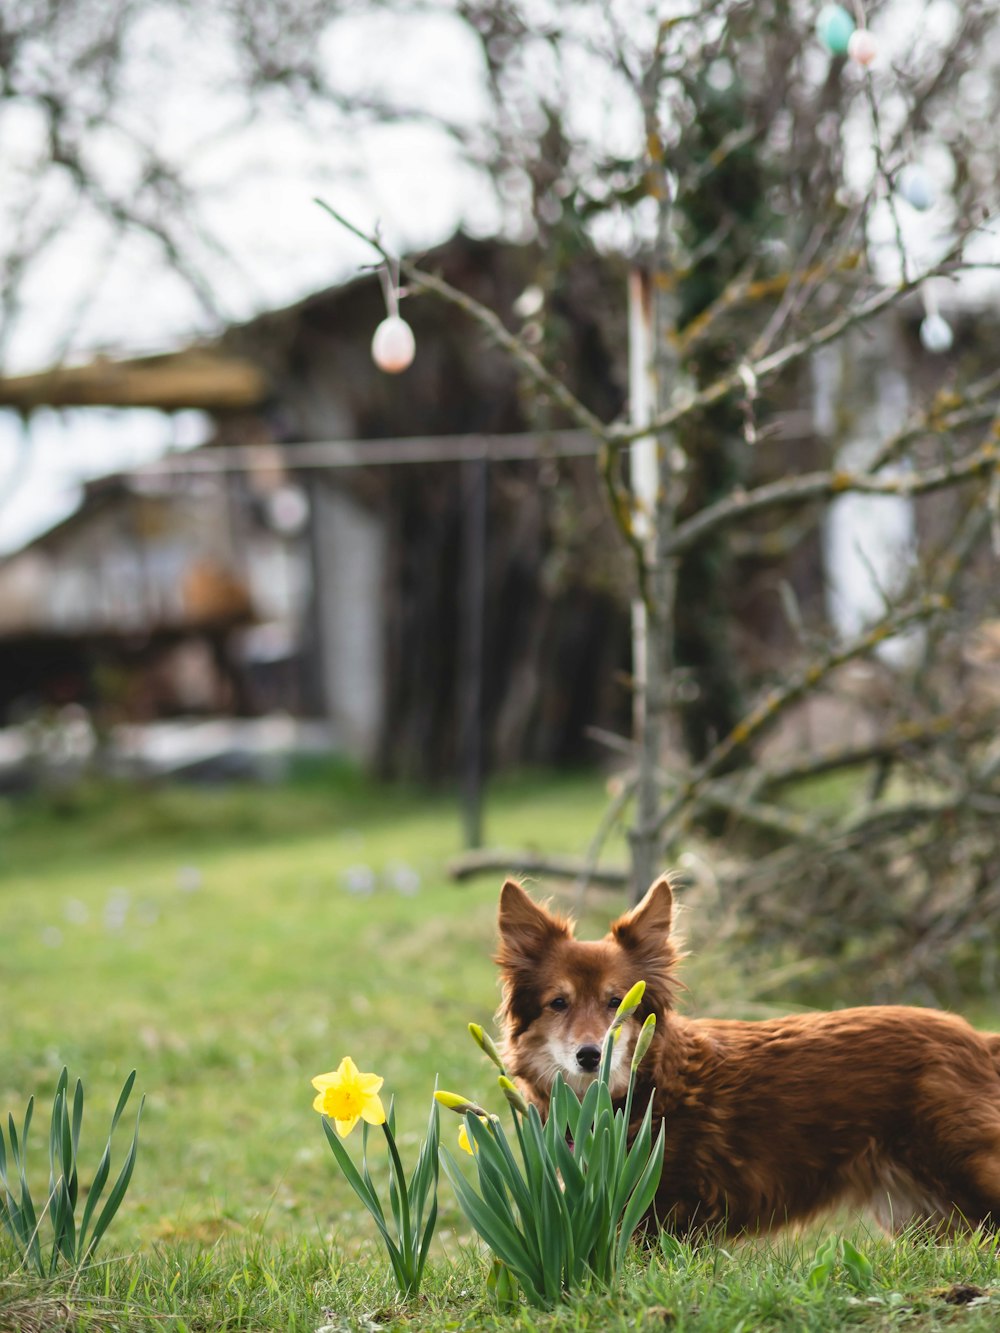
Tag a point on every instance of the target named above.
point(588, 1057)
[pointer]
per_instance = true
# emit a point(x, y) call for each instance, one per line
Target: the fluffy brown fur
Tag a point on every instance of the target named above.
point(767, 1123)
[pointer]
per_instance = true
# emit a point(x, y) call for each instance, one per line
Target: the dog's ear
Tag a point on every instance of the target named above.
point(527, 930)
point(645, 935)
point(648, 925)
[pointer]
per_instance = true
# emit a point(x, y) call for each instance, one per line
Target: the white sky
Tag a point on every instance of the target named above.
point(256, 188)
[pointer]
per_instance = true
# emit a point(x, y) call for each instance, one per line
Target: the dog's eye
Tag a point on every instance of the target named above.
point(558, 1003)
point(614, 1002)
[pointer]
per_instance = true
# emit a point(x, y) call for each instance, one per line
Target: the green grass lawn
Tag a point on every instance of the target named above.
point(229, 945)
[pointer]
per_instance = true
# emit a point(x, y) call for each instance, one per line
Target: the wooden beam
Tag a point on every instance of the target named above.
point(496, 861)
point(190, 379)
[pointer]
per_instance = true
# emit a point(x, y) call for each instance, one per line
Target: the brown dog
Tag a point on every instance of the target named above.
point(767, 1123)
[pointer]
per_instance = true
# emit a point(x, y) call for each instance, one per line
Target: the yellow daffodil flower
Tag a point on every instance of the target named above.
point(346, 1096)
point(463, 1136)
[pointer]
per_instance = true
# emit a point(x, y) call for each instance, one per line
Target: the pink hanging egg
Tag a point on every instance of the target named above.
point(393, 346)
point(862, 47)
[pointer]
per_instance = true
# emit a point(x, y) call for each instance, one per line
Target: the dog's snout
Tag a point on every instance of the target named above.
point(588, 1057)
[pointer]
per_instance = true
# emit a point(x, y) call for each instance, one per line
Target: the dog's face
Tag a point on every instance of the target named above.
point(560, 994)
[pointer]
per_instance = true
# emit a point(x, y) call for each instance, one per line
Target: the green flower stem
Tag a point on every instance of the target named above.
point(406, 1237)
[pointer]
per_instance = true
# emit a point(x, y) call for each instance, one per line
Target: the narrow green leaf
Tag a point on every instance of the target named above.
point(118, 1191)
point(65, 1239)
point(77, 1117)
point(502, 1238)
point(511, 1170)
point(425, 1242)
point(360, 1187)
point(95, 1191)
point(28, 1220)
point(858, 1266)
point(397, 1179)
point(123, 1097)
point(569, 1169)
point(424, 1182)
point(55, 1135)
point(395, 1203)
point(632, 1167)
point(642, 1198)
point(818, 1276)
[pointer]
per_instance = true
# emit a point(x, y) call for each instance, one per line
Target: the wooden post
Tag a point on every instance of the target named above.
point(475, 494)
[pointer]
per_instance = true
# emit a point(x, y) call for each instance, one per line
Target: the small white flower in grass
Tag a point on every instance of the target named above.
point(359, 879)
point(189, 879)
point(116, 909)
point(403, 878)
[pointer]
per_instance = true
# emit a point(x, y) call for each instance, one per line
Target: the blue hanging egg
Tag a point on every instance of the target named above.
point(917, 188)
point(834, 26)
point(936, 334)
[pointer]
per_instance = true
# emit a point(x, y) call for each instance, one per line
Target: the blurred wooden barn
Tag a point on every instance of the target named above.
point(204, 590)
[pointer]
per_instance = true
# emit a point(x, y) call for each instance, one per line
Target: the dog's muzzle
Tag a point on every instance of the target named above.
point(588, 1058)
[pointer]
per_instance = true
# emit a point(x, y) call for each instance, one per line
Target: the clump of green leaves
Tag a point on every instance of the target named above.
point(23, 1221)
point(836, 1253)
point(559, 1212)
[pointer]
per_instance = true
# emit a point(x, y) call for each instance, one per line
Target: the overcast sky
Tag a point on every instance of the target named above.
point(271, 244)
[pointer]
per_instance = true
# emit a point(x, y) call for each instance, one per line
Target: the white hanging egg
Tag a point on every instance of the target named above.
point(917, 188)
point(393, 346)
point(936, 334)
point(862, 47)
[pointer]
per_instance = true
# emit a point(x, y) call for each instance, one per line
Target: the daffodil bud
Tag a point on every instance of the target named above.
point(643, 1041)
point(513, 1094)
point(454, 1101)
point(631, 1001)
point(487, 1045)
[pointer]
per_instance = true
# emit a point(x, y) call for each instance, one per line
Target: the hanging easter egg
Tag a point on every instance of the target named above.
point(862, 47)
point(393, 346)
point(834, 26)
point(936, 334)
point(917, 188)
